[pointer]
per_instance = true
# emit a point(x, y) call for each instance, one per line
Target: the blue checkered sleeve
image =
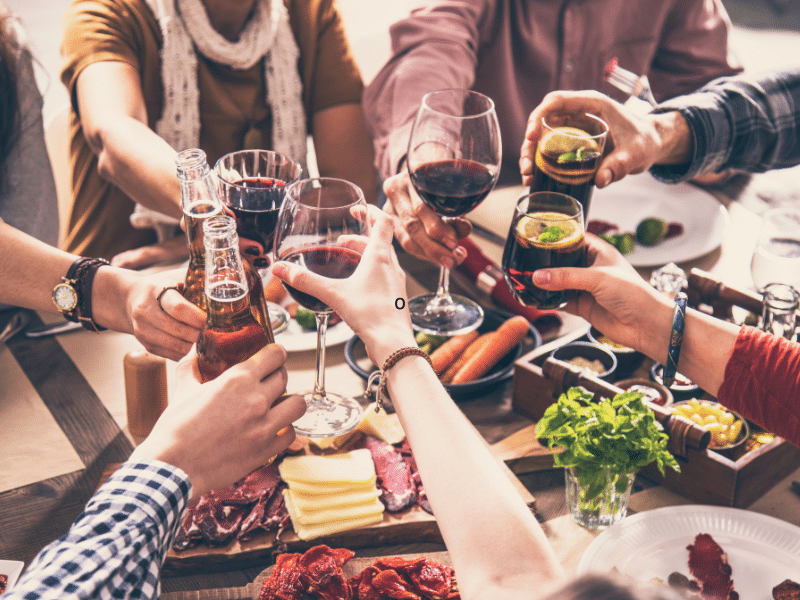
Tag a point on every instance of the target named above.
point(116, 547)
point(744, 123)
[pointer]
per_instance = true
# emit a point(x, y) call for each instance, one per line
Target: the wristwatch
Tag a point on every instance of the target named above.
point(73, 296)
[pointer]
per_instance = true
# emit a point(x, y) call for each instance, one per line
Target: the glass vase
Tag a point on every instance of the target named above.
point(605, 509)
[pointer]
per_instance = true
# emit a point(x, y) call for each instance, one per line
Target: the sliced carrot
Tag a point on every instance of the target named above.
point(469, 351)
point(274, 291)
point(292, 309)
point(507, 336)
point(446, 354)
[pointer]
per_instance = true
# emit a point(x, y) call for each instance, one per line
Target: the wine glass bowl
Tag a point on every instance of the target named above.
point(453, 162)
point(318, 218)
point(777, 254)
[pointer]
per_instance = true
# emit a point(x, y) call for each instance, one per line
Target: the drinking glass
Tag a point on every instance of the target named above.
point(777, 255)
point(252, 184)
point(453, 160)
point(547, 231)
point(316, 220)
point(780, 310)
point(568, 155)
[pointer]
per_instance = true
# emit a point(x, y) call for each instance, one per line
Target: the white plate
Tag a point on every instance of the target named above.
point(297, 339)
point(636, 197)
point(12, 569)
point(762, 551)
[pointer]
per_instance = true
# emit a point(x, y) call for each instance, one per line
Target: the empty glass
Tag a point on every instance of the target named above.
point(777, 255)
point(780, 310)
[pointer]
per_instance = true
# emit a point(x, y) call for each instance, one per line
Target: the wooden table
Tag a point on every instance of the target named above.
point(67, 396)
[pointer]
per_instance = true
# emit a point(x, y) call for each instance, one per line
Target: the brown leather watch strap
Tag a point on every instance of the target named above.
point(84, 279)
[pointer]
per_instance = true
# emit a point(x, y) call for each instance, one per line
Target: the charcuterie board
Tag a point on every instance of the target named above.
point(251, 591)
point(410, 526)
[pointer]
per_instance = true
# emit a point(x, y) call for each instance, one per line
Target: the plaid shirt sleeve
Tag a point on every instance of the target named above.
point(116, 547)
point(741, 123)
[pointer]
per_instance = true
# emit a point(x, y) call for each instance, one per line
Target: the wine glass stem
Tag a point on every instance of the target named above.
point(319, 374)
point(443, 290)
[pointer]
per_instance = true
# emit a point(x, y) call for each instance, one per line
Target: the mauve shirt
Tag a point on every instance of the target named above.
point(515, 51)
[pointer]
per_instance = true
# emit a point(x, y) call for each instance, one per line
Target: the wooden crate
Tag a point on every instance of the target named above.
point(706, 476)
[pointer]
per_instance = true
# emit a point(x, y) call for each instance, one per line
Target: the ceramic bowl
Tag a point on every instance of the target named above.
point(681, 390)
point(589, 351)
point(655, 392)
point(725, 449)
point(628, 359)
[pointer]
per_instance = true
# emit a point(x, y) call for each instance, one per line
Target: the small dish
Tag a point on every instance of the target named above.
point(589, 351)
point(653, 391)
point(697, 410)
point(628, 359)
point(355, 356)
point(682, 389)
point(12, 570)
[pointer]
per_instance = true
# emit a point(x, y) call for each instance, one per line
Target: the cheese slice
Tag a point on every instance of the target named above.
point(314, 503)
point(331, 514)
point(308, 532)
point(328, 490)
point(382, 425)
point(349, 467)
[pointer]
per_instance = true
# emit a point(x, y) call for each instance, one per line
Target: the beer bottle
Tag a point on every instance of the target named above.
point(231, 333)
point(200, 201)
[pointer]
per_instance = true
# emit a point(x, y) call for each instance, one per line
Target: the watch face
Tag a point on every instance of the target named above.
point(65, 297)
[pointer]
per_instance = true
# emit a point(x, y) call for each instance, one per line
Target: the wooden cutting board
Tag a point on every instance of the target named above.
point(251, 591)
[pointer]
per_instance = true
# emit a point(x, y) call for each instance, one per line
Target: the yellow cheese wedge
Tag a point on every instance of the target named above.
point(332, 513)
point(309, 532)
point(349, 467)
point(328, 490)
point(315, 503)
point(382, 425)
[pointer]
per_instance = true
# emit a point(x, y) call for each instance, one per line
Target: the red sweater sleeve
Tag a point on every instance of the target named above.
point(762, 382)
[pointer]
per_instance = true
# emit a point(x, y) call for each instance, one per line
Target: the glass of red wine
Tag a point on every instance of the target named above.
point(453, 160)
point(252, 184)
point(317, 219)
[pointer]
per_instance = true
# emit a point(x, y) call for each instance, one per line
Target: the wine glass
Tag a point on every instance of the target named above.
point(453, 161)
point(252, 184)
point(777, 255)
point(315, 221)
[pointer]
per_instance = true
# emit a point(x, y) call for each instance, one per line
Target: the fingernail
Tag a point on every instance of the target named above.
point(541, 277)
point(252, 251)
point(460, 252)
point(260, 262)
point(448, 263)
point(279, 269)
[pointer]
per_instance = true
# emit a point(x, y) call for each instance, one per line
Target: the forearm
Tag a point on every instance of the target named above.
point(676, 139)
point(497, 546)
point(118, 543)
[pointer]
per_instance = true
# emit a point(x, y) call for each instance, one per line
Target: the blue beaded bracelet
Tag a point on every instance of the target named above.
point(675, 339)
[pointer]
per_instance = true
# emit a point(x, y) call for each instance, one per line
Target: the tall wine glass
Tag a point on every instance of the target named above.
point(252, 184)
point(315, 221)
point(453, 160)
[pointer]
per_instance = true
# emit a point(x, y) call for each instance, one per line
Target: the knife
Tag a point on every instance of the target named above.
point(52, 329)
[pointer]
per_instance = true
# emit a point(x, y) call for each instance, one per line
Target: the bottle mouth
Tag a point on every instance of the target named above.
point(219, 231)
point(192, 164)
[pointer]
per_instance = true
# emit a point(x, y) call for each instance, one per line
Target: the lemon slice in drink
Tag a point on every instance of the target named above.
point(562, 140)
point(533, 227)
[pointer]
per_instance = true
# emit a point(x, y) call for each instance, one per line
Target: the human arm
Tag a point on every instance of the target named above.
point(130, 155)
point(122, 300)
point(344, 148)
point(119, 542)
point(503, 553)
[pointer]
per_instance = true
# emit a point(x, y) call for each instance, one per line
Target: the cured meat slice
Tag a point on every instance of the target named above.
point(786, 590)
point(258, 483)
point(361, 587)
point(284, 581)
point(430, 579)
point(391, 584)
point(217, 521)
point(708, 563)
point(268, 514)
point(422, 497)
point(398, 491)
point(189, 534)
point(321, 572)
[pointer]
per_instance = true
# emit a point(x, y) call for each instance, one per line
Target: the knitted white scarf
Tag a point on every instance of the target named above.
point(184, 26)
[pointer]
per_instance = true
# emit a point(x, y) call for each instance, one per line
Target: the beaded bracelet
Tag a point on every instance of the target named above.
point(675, 340)
point(394, 358)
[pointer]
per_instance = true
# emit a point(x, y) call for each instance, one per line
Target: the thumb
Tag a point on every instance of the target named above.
point(302, 279)
point(565, 278)
point(188, 370)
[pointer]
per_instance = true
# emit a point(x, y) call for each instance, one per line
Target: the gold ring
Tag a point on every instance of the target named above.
point(161, 293)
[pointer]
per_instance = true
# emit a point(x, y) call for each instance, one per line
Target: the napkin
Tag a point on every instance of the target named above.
point(488, 277)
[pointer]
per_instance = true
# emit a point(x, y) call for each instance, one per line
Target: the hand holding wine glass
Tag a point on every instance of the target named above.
point(316, 227)
point(454, 156)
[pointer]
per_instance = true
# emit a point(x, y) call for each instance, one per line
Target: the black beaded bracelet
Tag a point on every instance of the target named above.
point(675, 339)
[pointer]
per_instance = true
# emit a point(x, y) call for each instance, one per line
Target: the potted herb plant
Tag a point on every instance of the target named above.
point(604, 445)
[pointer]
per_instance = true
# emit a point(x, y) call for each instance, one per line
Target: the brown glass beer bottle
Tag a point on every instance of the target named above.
point(232, 332)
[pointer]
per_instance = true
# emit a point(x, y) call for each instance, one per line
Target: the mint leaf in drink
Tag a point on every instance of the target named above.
point(566, 157)
point(583, 153)
point(552, 234)
point(616, 436)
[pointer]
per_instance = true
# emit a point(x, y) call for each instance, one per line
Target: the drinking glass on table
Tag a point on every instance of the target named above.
point(453, 161)
point(316, 220)
point(777, 255)
point(568, 155)
point(779, 315)
point(252, 184)
point(547, 231)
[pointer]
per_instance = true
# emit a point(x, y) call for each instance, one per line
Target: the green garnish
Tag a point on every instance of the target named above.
point(579, 155)
point(567, 157)
point(429, 342)
point(624, 242)
point(305, 318)
point(616, 436)
point(552, 234)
